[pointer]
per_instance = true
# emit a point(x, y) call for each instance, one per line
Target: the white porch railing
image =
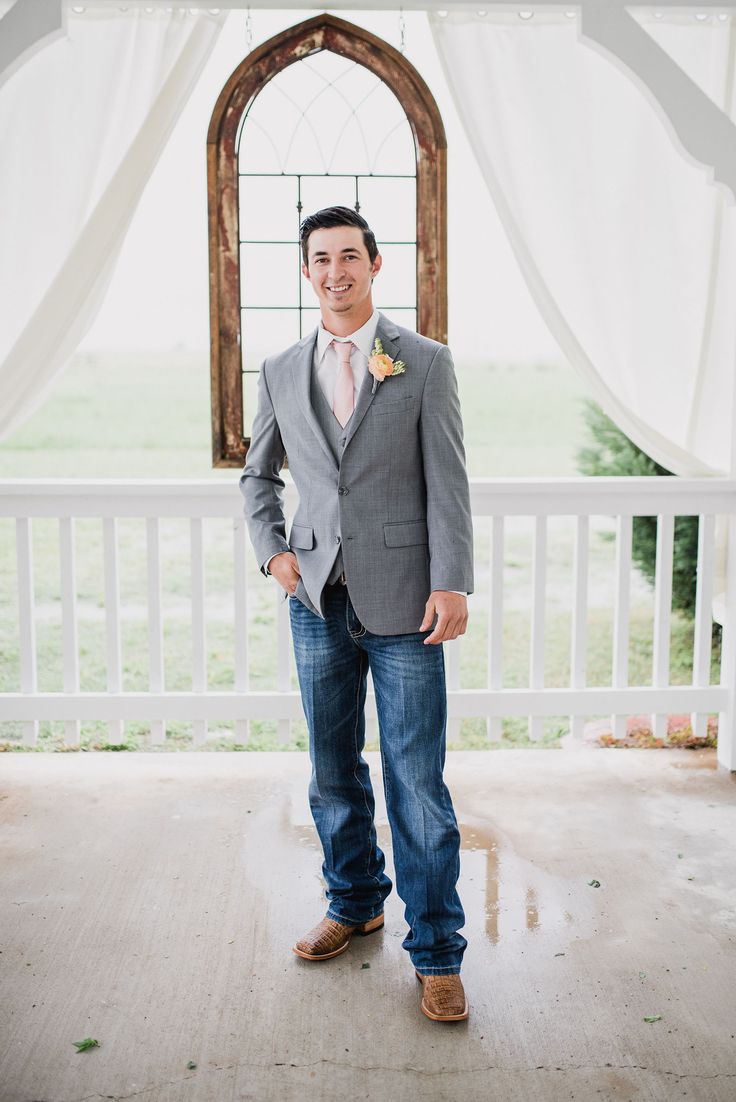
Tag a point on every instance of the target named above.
point(496, 505)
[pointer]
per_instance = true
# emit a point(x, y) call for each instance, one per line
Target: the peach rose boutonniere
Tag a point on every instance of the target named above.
point(381, 365)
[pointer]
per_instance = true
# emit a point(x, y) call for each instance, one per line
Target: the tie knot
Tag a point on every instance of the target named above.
point(344, 350)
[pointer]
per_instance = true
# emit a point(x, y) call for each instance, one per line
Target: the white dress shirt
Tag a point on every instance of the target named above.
point(326, 363)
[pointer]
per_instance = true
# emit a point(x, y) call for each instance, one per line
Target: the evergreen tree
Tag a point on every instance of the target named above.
point(615, 455)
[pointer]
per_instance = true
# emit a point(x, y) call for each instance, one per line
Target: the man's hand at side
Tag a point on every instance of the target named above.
point(452, 615)
point(285, 570)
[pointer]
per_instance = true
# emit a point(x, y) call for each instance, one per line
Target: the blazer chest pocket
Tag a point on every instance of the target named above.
point(301, 536)
point(406, 534)
point(396, 405)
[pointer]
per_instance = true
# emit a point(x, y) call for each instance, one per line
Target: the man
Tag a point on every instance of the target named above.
point(376, 569)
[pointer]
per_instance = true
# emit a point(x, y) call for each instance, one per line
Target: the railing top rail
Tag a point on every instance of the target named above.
point(220, 497)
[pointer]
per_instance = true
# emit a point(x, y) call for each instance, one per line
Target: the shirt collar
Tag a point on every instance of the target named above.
point(362, 338)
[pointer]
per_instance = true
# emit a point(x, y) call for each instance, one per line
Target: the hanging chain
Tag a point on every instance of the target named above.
point(249, 31)
point(402, 31)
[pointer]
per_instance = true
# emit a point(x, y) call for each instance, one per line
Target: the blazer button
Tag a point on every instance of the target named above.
point(343, 490)
point(337, 539)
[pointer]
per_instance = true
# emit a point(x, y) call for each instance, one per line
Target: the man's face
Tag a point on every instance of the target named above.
point(341, 273)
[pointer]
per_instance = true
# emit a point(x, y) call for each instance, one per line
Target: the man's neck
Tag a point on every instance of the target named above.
point(342, 325)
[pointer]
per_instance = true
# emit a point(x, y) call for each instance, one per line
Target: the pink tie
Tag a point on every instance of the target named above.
point(343, 403)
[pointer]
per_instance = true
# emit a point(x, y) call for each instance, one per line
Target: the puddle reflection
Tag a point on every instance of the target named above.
point(519, 899)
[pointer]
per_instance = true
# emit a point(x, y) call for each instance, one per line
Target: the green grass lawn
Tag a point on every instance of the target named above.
point(149, 418)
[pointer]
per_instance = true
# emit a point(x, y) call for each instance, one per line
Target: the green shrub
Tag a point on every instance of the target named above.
point(615, 455)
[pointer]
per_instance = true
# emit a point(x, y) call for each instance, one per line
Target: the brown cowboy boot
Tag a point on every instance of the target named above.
point(330, 938)
point(443, 998)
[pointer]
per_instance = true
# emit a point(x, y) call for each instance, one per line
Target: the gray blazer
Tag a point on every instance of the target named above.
point(397, 502)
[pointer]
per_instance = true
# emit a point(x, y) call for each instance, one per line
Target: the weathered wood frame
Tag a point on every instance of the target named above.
point(324, 32)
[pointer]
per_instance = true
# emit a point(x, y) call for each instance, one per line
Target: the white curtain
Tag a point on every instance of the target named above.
point(82, 125)
point(628, 252)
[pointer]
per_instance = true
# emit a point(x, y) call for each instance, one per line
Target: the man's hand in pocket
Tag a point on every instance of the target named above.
point(285, 569)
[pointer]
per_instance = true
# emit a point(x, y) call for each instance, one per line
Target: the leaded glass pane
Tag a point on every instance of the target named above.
point(389, 205)
point(265, 332)
point(271, 274)
point(395, 284)
point(324, 131)
point(327, 191)
point(327, 114)
point(268, 208)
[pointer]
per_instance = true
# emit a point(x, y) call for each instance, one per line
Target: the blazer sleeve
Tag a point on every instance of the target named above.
point(260, 483)
point(449, 519)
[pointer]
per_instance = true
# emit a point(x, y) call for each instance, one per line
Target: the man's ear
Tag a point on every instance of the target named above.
point(377, 265)
point(305, 272)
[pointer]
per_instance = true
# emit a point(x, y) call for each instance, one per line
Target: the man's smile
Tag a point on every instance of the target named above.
point(341, 273)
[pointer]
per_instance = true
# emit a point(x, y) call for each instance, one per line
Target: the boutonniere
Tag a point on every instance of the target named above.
point(380, 365)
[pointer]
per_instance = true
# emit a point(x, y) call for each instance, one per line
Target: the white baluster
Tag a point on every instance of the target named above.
point(703, 616)
point(536, 656)
point(199, 642)
point(155, 623)
point(283, 662)
point(240, 593)
point(622, 602)
point(70, 642)
point(113, 650)
point(662, 615)
point(495, 621)
point(726, 751)
point(26, 620)
point(578, 641)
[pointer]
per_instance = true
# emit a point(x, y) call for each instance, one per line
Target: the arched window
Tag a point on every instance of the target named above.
point(323, 113)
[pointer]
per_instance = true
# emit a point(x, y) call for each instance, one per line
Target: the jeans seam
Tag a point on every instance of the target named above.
point(353, 635)
point(346, 921)
point(384, 771)
point(429, 970)
point(355, 768)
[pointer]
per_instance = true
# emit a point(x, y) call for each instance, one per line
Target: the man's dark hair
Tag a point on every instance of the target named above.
point(336, 216)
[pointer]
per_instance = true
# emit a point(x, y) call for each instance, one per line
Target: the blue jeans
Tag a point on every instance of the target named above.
point(332, 661)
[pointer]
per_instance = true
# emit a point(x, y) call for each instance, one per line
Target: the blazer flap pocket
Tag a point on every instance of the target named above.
point(405, 534)
point(301, 535)
point(394, 405)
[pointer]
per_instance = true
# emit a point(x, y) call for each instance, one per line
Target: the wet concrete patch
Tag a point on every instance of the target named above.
point(151, 901)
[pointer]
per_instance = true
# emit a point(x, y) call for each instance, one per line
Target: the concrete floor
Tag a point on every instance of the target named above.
point(150, 901)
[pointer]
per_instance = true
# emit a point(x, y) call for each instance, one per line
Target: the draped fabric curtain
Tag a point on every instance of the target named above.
point(628, 251)
point(82, 125)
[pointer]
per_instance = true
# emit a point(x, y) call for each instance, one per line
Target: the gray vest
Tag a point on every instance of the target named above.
point(335, 435)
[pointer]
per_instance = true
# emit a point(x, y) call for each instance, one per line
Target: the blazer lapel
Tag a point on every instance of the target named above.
point(301, 370)
point(388, 335)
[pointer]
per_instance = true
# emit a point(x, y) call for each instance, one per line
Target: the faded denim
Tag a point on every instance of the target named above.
point(332, 660)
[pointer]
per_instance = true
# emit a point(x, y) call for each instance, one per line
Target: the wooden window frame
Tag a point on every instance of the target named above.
point(323, 32)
